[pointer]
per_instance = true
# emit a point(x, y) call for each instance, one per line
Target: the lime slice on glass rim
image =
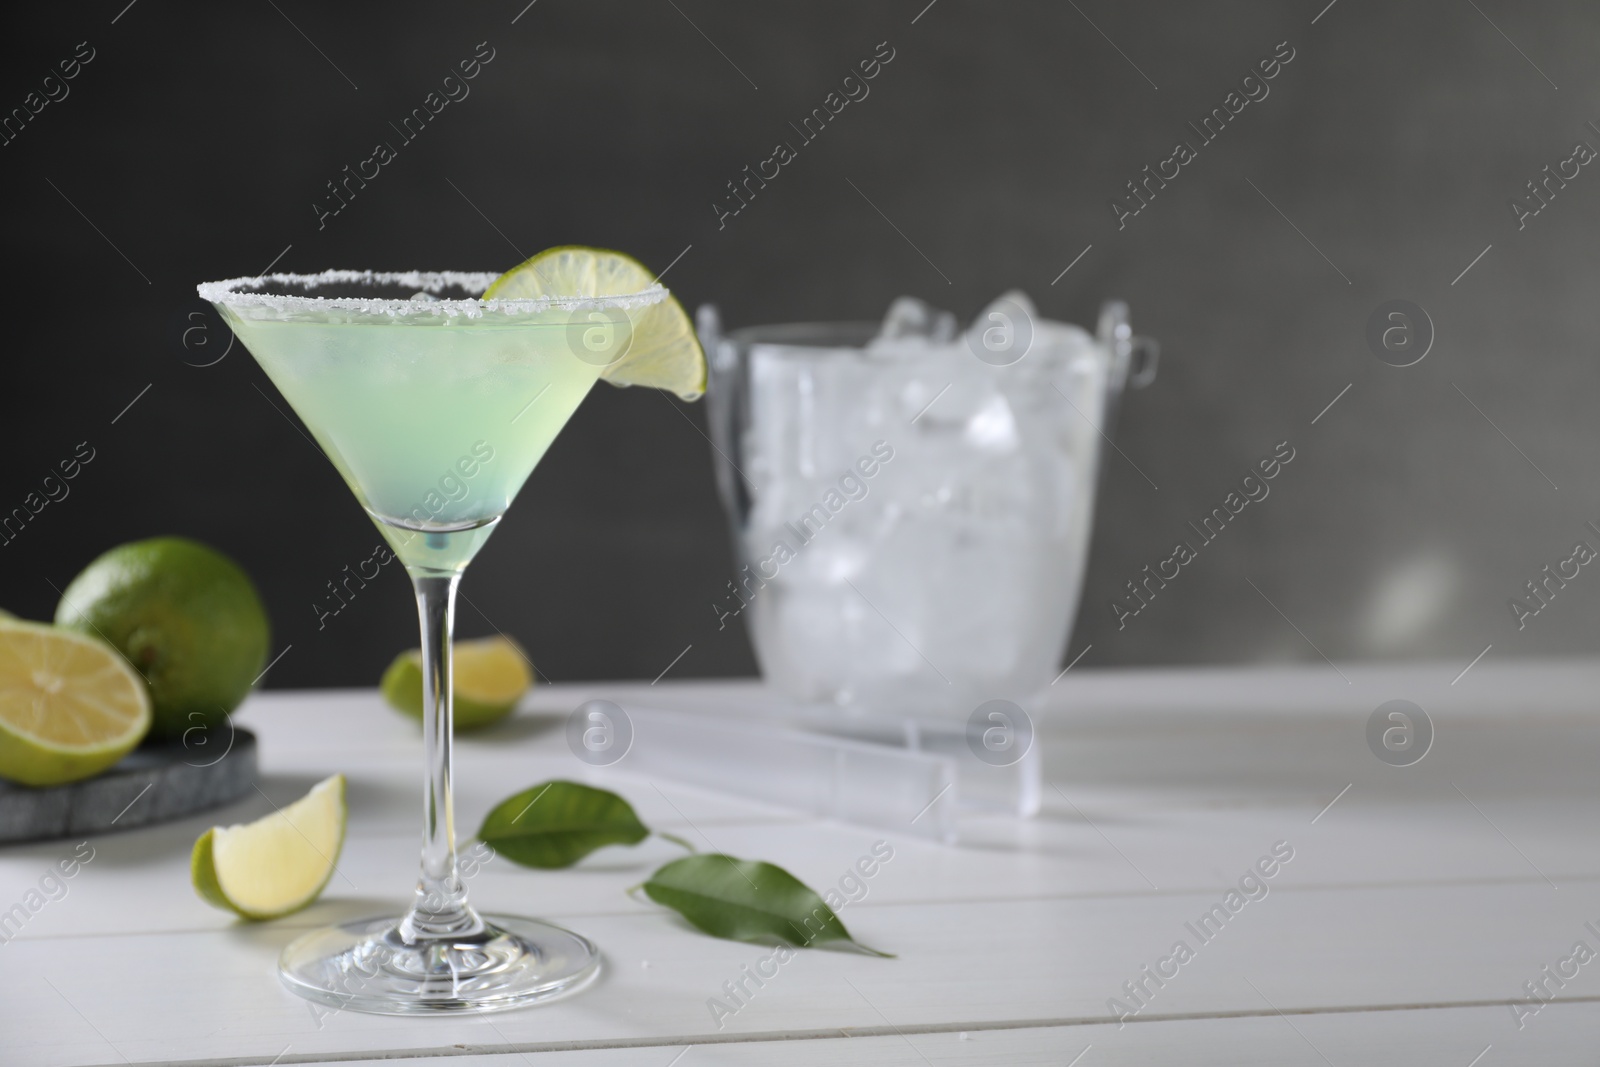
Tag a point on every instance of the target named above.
point(70, 705)
point(662, 352)
point(278, 864)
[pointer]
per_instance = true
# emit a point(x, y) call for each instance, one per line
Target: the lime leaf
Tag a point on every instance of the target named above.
point(747, 900)
point(558, 823)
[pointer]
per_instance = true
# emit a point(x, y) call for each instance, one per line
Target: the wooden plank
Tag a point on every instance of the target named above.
point(970, 965)
point(140, 880)
point(1563, 1037)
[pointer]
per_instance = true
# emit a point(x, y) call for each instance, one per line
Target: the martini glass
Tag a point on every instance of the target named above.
point(434, 406)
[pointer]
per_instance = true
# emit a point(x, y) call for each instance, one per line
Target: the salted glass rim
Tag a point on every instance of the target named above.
point(241, 294)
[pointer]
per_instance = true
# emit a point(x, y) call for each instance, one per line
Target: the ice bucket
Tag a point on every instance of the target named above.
point(911, 505)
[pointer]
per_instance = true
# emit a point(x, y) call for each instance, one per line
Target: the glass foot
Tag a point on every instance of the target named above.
point(366, 966)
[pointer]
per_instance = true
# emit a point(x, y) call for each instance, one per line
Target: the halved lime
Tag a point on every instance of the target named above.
point(278, 864)
point(490, 676)
point(70, 706)
point(664, 352)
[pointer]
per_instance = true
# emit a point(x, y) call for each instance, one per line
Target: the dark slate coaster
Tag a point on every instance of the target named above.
point(152, 784)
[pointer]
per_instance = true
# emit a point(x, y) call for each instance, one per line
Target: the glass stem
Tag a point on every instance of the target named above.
point(441, 909)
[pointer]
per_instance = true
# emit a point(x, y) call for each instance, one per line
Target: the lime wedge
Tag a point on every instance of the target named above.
point(278, 864)
point(490, 676)
point(664, 353)
point(70, 706)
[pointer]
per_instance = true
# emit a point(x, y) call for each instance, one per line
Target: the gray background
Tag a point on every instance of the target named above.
point(194, 144)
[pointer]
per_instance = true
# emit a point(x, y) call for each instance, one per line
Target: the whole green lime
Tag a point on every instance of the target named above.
point(187, 618)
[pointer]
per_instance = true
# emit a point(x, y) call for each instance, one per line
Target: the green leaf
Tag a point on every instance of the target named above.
point(558, 823)
point(747, 900)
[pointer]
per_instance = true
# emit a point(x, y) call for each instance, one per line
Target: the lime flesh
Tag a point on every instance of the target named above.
point(70, 706)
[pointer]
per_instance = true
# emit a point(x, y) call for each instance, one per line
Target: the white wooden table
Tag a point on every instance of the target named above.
point(1401, 932)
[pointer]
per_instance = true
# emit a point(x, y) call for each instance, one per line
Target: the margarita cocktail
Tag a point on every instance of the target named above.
point(435, 403)
point(435, 421)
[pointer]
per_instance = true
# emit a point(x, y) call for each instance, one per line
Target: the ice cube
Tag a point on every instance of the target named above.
point(992, 428)
point(909, 317)
point(1003, 332)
